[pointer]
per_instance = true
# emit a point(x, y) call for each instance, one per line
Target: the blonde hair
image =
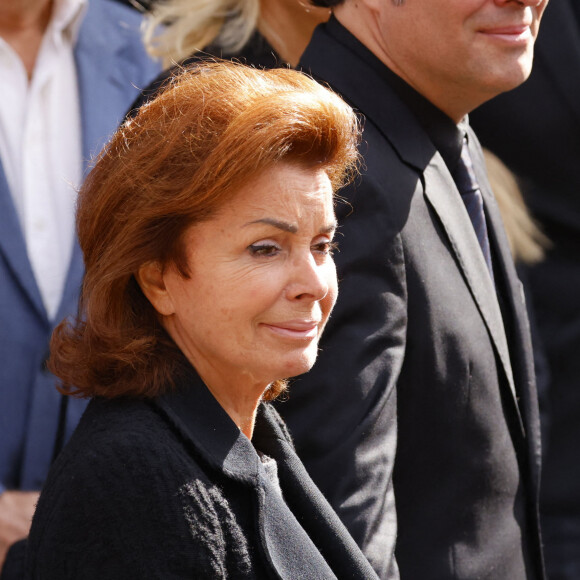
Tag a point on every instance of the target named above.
point(176, 29)
point(527, 242)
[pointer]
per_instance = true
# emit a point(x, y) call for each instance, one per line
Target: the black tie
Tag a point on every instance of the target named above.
point(468, 187)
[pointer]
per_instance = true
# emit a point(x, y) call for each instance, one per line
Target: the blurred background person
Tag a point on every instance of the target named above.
point(527, 241)
point(69, 69)
point(273, 31)
point(206, 227)
point(535, 130)
point(263, 33)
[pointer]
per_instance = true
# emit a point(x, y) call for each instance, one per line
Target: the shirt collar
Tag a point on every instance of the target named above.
point(67, 17)
point(446, 136)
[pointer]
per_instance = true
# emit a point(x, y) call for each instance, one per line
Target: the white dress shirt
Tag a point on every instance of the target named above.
point(41, 147)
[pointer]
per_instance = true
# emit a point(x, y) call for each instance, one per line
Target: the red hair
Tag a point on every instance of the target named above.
point(182, 157)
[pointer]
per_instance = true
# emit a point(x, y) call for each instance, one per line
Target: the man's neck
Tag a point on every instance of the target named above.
point(22, 25)
point(362, 24)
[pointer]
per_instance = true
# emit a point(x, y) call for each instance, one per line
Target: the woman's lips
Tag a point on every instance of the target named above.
point(521, 34)
point(299, 329)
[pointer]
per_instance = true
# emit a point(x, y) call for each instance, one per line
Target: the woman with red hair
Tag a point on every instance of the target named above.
point(207, 226)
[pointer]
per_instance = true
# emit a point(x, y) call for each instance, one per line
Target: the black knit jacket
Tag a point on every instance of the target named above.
point(171, 488)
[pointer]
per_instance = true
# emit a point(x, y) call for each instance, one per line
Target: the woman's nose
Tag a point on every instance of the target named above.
point(311, 279)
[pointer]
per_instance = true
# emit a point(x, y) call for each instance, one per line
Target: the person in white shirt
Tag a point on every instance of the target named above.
point(69, 69)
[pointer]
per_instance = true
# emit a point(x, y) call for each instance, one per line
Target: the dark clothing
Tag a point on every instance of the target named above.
point(170, 488)
point(535, 130)
point(13, 568)
point(446, 136)
point(418, 332)
point(257, 52)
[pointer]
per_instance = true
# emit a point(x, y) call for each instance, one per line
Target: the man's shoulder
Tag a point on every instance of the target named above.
point(335, 64)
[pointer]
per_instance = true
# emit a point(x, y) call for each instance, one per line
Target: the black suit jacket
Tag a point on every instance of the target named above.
point(418, 334)
point(535, 130)
point(171, 488)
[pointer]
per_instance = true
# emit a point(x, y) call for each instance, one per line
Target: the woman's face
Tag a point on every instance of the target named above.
point(262, 282)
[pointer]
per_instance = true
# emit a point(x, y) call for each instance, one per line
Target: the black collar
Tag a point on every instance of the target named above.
point(446, 136)
point(197, 415)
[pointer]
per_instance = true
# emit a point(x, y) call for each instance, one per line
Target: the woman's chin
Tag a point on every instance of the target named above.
point(298, 365)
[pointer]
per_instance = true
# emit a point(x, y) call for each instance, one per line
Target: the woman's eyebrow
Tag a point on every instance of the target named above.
point(292, 228)
point(285, 226)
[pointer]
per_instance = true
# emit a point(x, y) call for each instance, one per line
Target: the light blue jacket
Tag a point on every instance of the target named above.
point(112, 66)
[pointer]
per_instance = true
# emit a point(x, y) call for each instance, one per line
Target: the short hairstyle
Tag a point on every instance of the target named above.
point(176, 29)
point(184, 155)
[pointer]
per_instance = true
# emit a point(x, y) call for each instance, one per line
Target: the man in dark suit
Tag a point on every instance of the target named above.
point(535, 129)
point(430, 328)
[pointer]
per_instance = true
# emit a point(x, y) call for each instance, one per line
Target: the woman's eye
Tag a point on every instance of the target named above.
point(325, 247)
point(264, 249)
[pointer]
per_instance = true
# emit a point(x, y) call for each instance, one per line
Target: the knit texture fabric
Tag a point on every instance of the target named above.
point(135, 505)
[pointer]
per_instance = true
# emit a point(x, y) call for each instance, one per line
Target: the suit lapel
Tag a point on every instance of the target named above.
point(73, 282)
point(558, 49)
point(303, 497)
point(443, 196)
point(13, 248)
point(522, 351)
point(290, 550)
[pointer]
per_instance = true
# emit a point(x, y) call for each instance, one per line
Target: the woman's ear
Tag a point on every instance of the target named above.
point(151, 279)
